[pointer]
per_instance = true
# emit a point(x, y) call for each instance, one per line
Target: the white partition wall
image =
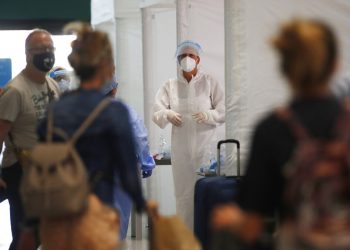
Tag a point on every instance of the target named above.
point(159, 64)
point(121, 19)
point(159, 43)
point(254, 85)
point(236, 51)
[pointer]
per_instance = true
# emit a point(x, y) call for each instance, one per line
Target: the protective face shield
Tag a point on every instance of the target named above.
point(64, 85)
point(188, 64)
point(44, 61)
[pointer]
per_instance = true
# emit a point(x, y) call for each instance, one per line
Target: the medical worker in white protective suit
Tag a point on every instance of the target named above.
point(194, 104)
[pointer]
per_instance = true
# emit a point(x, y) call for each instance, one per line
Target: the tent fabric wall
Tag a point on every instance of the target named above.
point(129, 62)
point(159, 31)
point(102, 11)
point(256, 85)
point(234, 73)
point(121, 19)
point(235, 37)
point(146, 44)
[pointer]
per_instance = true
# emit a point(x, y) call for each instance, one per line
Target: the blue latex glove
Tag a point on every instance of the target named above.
point(213, 166)
point(146, 173)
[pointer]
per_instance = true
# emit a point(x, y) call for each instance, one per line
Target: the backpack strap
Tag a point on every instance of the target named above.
point(51, 130)
point(287, 115)
point(103, 104)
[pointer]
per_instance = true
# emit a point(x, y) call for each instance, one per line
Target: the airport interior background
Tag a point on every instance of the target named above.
point(234, 35)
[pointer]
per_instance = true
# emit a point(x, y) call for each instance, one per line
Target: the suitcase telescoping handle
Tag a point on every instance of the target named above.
point(218, 169)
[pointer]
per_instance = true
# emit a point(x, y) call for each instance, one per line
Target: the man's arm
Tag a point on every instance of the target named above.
point(5, 127)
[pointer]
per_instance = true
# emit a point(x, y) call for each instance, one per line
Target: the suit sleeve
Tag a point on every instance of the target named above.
point(216, 114)
point(161, 107)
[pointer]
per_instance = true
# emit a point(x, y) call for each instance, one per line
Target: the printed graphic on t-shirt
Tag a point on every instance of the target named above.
point(40, 102)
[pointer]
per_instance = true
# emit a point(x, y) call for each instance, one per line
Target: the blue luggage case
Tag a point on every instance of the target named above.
point(212, 191)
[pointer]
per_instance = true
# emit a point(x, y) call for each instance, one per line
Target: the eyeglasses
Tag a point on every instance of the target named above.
point(42, 49)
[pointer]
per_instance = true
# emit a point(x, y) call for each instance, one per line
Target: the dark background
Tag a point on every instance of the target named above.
point(46, 14)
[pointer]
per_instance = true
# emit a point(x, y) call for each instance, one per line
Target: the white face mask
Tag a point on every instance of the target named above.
point(188, 64)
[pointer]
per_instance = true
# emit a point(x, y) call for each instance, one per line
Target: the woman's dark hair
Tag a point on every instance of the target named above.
point(308, 50)
point(88, 50)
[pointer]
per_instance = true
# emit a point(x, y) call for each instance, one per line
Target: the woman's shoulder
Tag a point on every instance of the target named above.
point(117, 104)
point(270, 124)
point(116, 110)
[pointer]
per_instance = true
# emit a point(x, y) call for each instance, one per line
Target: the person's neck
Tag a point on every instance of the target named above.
point(320, 92)
point(189, 75)
point(92, 84)
point(34, 75)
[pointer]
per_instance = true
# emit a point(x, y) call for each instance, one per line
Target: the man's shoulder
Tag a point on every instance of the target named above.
point(53, 86)
point(18, 82)
point(52, 83)
point(15, 86)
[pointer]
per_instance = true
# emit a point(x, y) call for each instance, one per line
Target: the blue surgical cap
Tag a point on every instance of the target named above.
point(62, 72)
point(110, 86)
point(188, 47)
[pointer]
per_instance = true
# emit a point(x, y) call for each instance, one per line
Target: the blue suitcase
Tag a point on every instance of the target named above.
point(212, 191)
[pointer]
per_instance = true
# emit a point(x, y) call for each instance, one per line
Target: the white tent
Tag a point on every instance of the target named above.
point(235, 38)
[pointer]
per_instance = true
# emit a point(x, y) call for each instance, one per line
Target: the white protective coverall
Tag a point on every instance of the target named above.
point(191, 141)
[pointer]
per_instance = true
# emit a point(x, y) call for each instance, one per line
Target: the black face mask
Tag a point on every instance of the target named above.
point(44, 61)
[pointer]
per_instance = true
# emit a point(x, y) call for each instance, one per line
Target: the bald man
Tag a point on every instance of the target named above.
point(23, 104)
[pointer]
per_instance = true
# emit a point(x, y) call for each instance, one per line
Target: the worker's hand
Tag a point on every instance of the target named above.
point(200, 117)
point(174, 118)
point(3, 184)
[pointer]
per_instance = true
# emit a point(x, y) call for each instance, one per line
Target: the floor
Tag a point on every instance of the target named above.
point(132, 244)
point(5, 233)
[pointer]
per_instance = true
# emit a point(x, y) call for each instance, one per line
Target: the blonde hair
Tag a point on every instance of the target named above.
point(89, 50)
point(308, 50)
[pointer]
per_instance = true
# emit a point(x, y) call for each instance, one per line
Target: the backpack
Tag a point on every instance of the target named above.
point(317, 191)
point(55, 181)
